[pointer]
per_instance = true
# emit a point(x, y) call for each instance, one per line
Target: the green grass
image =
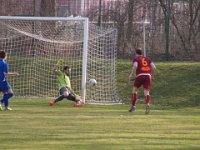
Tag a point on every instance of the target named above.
point(35, 125)
point(172, 124)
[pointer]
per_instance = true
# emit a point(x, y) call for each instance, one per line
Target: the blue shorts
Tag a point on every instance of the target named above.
point(4, 86)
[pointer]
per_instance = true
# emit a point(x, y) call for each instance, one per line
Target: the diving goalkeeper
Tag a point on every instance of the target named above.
point(65, 86)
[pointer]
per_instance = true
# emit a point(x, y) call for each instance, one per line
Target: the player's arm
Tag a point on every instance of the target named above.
point(153, 68)
point(56, 68)
point(132, 75)
point(11, 74)
point(7, 73)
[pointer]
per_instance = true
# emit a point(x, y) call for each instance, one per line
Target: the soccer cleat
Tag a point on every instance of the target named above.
point(132, 108)
point(1, 108)
point(148, 108)
point(78, 104)
point(52, 103)
point(8, 108)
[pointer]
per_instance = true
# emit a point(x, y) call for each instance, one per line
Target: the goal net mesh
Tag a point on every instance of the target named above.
point(34, 47)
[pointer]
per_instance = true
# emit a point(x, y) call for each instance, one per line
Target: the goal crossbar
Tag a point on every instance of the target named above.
point(43, 18)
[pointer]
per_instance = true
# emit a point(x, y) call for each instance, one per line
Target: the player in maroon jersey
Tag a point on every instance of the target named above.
point(142, 72)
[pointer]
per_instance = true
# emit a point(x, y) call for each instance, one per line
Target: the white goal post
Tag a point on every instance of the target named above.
point(34, 44)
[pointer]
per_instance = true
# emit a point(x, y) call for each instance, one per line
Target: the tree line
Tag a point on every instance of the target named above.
point(168, 29)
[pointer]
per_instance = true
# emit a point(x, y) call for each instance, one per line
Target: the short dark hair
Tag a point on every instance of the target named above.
point(66, 67)
point(138, 51)
point(2, 54)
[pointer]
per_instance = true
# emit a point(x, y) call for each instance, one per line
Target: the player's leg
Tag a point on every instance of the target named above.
point(148, 101)
point(63, 94)
point(73, 97)
point(133, 99)
point(1, 101)
point(1, 108)
point(134, 94)
point(79, 102)
point(147, 97)
point(8, 93)
point(147, 86)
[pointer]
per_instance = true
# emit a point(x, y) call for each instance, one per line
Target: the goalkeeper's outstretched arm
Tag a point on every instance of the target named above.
point(56, 68)
point(58, 65)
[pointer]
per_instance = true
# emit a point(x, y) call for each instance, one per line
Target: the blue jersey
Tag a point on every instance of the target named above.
point(4, 85)
point(3, 69)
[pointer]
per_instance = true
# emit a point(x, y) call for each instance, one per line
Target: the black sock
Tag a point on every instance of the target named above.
point(61, 97)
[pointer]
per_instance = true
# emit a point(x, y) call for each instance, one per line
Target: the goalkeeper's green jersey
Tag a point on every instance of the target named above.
point(63, 80)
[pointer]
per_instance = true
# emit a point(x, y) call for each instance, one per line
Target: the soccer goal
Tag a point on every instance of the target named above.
point(35, 44)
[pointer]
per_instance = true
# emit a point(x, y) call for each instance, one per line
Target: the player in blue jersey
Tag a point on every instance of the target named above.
point(5, 87)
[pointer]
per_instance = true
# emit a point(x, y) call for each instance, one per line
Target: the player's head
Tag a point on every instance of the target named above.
point(138, 51)
point(2, 55)
point(67, 70)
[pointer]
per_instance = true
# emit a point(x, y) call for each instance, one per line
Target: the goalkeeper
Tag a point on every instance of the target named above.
point(65, 85)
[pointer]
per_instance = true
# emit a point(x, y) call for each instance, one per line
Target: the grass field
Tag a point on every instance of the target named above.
point(173, 124)
point(35, 125)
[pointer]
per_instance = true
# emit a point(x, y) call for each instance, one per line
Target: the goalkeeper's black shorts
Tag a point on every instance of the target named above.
point(71, 96)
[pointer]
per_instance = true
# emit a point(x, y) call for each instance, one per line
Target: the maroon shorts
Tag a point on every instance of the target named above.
point(144, 80)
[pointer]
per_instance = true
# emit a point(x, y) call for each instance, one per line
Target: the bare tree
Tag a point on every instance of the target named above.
point(48, 8)
point(130, 20)
point(185, 21)
point(119, 17)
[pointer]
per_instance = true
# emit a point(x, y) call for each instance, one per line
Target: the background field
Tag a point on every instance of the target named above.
point(175, 84)
point(173, 123)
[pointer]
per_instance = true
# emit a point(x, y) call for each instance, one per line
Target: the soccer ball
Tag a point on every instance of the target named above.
point(92, 82)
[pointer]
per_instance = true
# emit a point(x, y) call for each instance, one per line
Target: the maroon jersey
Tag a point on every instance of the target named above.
point(144, 65)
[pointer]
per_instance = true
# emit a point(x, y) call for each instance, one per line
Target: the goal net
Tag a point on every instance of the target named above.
point(35, 44)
